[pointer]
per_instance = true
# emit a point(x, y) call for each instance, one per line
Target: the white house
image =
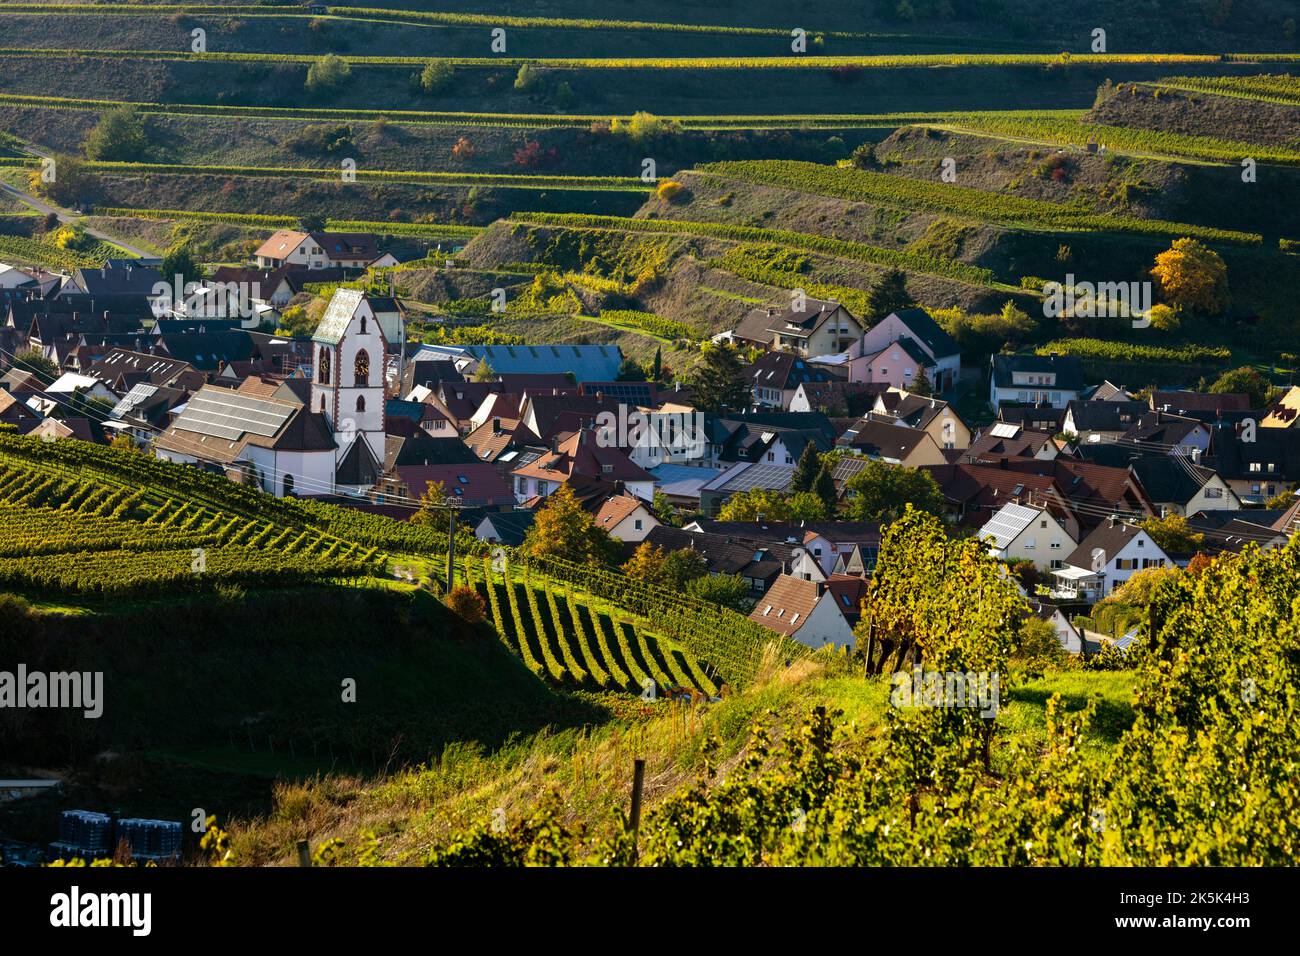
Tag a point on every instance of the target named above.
point(626, 517)
point(1054, 380)
point(317, 250)
point(805, 611)
point(1106, 559)
point(1024, 533)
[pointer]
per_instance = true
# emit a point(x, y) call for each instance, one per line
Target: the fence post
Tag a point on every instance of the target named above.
point(304, 853)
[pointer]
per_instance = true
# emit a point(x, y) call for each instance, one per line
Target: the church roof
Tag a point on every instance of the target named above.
point(337, 316)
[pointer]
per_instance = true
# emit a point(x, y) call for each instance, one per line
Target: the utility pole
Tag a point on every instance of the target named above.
point(451, 549)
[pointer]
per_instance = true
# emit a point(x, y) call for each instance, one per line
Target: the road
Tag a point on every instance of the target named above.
point(68, 216)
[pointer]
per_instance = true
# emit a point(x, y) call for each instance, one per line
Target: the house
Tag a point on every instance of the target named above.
point(282, 447)
point(317, 250)
point(1054, 380)
point(473, 485)
point(1231, 530)
point(1027, 533)
point(1203, 405)
point(121, 369)
point(758, 562)
point(1108, 391)
point(125, 280)
point(1069, 636)
point(901, 347)
point(818, 327)
point(835, 397)
point(893, 443)
point(144, 410)
point(585, 363)
point(743, 476)
point(1005, 440)
point(1178, 486)
point(849, 592)
point(806, 611)
point(974, 493)
point(1106, 559)
point(932, 415)
point(1091, 491)
point(1175, 434)
point(825, 541)
point(1093, 420)
point(582, 455)
point(505, 527)
point(16, 413)
point(626, 517)
point(1255, 470)
point(681, 484)
point(1285, 412)
point(776, 376)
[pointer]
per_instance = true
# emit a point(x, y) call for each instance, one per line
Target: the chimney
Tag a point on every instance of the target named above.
point(1002, 463)
point(555, 444)
point(496, 426)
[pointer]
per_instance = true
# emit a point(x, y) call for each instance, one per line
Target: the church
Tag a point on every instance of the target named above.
point(287, 438)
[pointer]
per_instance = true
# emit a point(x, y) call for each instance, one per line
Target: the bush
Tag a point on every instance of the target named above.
point(327, 73)
point(119, 136)
point(669, 189)
point(437, 76)
point(467, 604)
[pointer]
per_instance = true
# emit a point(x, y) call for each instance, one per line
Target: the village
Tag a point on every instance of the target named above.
point(768, 471)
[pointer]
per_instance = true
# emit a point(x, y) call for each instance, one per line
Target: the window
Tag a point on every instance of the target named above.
point(1056, 546)
point(322, 404)
point(1214, 492)
point(1031, 544)
point(323, 372)
point(1043, 523)
point(288, 485)
point(361, 403)
point(771, 456)
point(361, 368)
point(363, 325)
point(1056, 564)
point(1255, 466)
point(637, 524)
point(1141, 543)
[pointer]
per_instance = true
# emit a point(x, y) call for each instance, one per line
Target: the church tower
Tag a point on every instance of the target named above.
point(348, 386)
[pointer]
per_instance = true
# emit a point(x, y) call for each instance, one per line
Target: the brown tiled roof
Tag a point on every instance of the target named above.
point(786, 605)
point(615, 509)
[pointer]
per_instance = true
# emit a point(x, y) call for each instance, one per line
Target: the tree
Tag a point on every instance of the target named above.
point(728, 590)
point(1192, 276)
point(643, 127)
point(1164, 318)
point(485, 372)
point(806, 506)
point(1245, 380)
point(436, 76)
point(657, 370)
point(630, 371)
point(30, 360)
point(921, 384)
point(805, 472)
point(123, 442)
point(312, 222)
point(651, 564)
point(864, 157)
point(663, 508)
point(1173, 534)
point(880, 492)
point(431, 502)
point(119, 135)
point(755, 503)
point(327, 74)
point(562, 529)
point(296, 322)
point(825, 490)
point(70, 184)
point(179, 261)
point(888, 294)
point(719, 380)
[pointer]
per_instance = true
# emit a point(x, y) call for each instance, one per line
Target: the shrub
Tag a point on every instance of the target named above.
point(327, 73)
point(467, 604)
point(437, 76)
point(669, 189)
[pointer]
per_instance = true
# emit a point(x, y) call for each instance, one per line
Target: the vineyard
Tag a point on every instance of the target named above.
point(495, 180)
point(70, 535)
point(46, 253)
point(858, 251)
point(574, 641)
point(860, 185)
point(867, 62)
point(1085, 348)
point(1282, 89)
point(1070, 132)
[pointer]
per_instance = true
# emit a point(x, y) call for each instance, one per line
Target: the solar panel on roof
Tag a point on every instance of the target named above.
point(1005, 430)
point(232, 416)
